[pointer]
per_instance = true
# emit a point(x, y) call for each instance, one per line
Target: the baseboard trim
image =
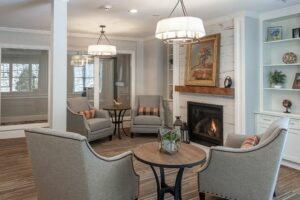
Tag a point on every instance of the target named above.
point(290, 164)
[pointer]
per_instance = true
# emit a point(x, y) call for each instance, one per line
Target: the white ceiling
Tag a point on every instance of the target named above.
point(86, 15)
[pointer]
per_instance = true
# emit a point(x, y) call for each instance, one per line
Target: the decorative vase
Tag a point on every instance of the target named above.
point(169, 140)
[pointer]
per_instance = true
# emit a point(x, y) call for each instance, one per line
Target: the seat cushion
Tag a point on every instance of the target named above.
point(96, 124)
point(147, 120)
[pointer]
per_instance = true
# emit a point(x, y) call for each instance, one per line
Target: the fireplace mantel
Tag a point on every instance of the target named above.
point(227, 92)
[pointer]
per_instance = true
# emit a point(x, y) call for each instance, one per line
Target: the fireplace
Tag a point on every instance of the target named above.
point(205, 123)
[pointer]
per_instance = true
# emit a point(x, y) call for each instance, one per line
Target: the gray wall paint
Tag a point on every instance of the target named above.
point(154, 64)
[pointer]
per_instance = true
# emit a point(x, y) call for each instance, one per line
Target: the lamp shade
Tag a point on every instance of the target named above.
point(187, 29)
point(102, 50)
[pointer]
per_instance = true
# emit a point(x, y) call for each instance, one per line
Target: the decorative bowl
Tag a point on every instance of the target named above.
point(289, 58)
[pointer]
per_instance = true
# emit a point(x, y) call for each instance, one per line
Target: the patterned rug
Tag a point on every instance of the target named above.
point(288, 196)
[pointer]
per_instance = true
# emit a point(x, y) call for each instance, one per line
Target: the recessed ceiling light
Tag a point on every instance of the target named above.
point(133, 11)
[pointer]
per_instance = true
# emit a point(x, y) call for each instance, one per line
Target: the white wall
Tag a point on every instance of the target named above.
point(226, 28)
point(154, 67)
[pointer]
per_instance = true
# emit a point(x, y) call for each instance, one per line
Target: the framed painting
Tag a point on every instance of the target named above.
point(202, 61)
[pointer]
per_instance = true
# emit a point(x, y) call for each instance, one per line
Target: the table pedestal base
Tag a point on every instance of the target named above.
point(163, 188)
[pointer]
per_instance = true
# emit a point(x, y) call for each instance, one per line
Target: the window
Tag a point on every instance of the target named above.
point(19, 77)
point(83, 77)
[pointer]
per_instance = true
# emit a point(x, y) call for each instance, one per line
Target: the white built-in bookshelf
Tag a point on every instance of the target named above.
point(271, 98)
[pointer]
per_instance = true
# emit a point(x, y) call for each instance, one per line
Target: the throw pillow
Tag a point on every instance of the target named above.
point(88, 113)
point(250, 141)
point(148, 111)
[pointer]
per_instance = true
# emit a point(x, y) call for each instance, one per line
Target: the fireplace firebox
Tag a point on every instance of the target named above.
point(205, 123)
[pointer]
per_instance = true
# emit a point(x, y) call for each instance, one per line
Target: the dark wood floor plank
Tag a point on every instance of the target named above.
point(16, 181)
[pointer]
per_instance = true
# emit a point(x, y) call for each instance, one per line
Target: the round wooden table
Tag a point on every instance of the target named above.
point(188, 156)
point(117, 114)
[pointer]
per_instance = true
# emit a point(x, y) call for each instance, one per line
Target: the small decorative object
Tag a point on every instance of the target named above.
point(169, 140)
point(185, 137)
point(277, 78)
point(289, 58)
point(296, 33)
point(287, 104)
point(274, 33)
point(202, 63)
point(227, 82)
point(178, 124)
point(296, 84)
point(116, 103)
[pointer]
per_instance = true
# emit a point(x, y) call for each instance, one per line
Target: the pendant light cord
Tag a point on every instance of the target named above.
point(182, 7)
point(102, 34)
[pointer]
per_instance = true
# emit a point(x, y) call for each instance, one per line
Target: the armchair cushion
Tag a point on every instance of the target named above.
point(148, 111)
point(88, 113)
point(147, 120)
point(98, 123)
point(250, 141)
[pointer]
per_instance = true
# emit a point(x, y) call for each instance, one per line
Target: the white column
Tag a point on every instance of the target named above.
point(58, 73)
point(176, 106)
point(96, 81)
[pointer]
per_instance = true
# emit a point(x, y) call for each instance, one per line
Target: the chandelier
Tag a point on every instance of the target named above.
point(80, 60)
point(183, 29)
point(100, 49)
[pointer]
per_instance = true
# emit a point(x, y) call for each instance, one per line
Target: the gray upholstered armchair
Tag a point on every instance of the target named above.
point(245, 174)
point(66, 167)
point(147, 123)
point(94, 128)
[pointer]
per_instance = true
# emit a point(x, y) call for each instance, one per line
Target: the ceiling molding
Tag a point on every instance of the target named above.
point(71, 34)
point(21, 30)
point(93, 36)
point(280, 12)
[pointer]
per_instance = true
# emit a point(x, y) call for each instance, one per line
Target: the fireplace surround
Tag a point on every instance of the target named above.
point(205, 123)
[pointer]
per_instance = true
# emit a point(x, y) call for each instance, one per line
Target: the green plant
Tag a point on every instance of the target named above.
point(171, 136)
point(277, 77)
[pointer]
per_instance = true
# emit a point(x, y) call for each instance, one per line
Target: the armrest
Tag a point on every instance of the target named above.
point(114, 172)
point(76, 123)
point(102, 114)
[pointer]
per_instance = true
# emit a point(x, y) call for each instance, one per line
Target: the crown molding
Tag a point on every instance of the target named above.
point(280, 12)
point(70, 34)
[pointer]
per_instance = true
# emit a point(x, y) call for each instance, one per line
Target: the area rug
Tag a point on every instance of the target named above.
point(289, 196)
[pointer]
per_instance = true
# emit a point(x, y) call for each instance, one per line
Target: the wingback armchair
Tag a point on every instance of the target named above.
point(245, 173)
point(147, 123)
point(94, 128)
point(66, 167)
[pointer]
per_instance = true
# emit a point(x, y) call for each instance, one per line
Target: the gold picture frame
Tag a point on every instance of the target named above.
point(202, 61)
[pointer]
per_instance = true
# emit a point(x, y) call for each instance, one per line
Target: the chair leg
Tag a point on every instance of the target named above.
point(202, 196)
point(132, 135)
point(110, 138)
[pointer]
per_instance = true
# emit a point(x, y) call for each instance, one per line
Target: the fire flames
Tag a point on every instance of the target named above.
point(213, 126)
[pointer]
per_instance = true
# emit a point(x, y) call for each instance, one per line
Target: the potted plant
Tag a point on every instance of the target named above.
point(277, 78)
point(170, 140)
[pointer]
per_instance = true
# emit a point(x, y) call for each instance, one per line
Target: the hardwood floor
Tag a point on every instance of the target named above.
point(16, 181)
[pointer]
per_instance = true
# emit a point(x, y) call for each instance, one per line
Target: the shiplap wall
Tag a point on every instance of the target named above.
point(226, 28)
